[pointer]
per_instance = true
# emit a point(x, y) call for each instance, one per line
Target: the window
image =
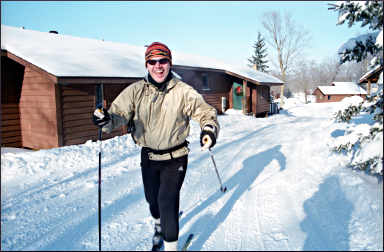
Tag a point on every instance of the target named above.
point(329, 97)
point(205, 81)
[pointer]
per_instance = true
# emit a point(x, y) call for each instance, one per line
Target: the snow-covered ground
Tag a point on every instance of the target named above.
point(286, 191)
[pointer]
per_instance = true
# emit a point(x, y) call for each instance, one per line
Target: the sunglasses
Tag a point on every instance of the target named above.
point(161, 61)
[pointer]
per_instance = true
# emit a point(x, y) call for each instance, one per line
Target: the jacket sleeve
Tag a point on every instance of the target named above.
point(199, 110)
point(121, 110)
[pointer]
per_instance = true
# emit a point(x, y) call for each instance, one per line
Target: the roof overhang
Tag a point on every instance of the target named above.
point(313, 93)
point(81, 80)
point(253, 81)
point(372, 75)
point(226, 72)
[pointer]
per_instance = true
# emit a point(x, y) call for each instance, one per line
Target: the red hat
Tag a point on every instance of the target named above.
point(157, 49)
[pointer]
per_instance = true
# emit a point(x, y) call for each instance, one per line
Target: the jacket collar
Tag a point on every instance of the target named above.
point(167, 86)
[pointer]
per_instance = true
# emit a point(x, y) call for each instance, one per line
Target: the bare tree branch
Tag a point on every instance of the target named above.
point(287, 38)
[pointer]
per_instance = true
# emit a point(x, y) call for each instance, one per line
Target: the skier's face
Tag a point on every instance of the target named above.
point(158, 68)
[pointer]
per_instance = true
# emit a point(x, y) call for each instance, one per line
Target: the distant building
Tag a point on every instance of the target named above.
point(338, 91)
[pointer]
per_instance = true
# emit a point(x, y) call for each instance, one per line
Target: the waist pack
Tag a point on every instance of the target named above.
point(162, 155)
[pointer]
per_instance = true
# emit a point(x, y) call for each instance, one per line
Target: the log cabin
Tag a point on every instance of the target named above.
point(49, 80)
point(337, 91)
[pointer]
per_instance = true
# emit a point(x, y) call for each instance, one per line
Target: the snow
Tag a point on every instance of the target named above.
point(350, 101)
point(379, 39)
point(286, 190)
point(352, 42)
point(362, 4)
point(343, 83)
point(64, 55)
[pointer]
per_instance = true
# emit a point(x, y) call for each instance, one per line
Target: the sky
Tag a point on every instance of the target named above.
point(284, 193)
point(224, 30)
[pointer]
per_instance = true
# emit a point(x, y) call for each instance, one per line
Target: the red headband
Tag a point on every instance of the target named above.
point(157, 49)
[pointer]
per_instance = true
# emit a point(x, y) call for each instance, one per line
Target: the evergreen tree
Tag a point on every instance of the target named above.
point(368, 13)
point(258, 58)
point(353, 143)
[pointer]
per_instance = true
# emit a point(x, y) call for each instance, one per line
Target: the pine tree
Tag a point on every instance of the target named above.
point(368, 13)
point(353, 143)
point(259, 56)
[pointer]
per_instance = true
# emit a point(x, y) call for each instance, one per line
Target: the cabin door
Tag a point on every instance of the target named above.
point(237, 95)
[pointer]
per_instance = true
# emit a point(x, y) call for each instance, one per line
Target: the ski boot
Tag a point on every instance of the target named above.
point(157, 240)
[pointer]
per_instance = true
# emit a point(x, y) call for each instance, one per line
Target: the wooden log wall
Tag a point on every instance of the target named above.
point(37, 109)
point(78, 104)
point(214, 99)
point(10, 126)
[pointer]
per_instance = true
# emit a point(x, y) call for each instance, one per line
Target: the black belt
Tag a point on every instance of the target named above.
point(160, 152)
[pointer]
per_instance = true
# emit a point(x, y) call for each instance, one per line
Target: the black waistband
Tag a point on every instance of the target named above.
point(160, 152)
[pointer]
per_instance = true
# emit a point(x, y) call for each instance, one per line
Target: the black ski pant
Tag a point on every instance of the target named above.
point(162, 183)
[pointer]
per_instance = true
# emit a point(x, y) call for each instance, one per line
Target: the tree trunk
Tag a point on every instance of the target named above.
point(305, 96)
point(282, 87)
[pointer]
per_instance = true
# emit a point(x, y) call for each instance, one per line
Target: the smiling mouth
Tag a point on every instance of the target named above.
point(159, 73)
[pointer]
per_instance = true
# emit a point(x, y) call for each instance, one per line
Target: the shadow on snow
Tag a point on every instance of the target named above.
point(328, 214)
point(237, 185)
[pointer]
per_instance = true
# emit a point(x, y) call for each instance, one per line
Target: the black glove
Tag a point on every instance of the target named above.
point(207, 137)
point(101, 117)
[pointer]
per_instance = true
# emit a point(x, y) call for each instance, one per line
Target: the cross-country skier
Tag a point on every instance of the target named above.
point(161, 107)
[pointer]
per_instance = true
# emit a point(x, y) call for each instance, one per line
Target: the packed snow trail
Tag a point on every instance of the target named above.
point(261, 190)
point(285, 191)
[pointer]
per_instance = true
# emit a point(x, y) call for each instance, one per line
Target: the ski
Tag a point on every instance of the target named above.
point(161, 244)
point(187, 242)
point(157, 248)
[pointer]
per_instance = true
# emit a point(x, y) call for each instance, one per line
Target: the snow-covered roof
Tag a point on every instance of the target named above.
point(64, 55)
point(342, 88)
point(343, 83)
point(368, 74)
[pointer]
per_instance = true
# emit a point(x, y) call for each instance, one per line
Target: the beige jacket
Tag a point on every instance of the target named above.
point(161, 118)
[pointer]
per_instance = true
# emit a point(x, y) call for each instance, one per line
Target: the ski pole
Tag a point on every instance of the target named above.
point(223, 189)
point(99, 104)
point(99, 205)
